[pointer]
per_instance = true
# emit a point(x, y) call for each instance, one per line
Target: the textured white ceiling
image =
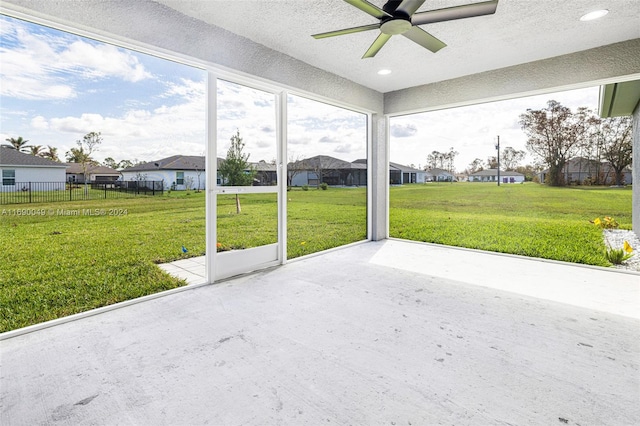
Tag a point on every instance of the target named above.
point(520, 31)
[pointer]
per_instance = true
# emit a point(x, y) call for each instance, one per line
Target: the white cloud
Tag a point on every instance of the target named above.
point(403, 131)
point(139, 133)
point(39, 65)
point(343, 149)
point(39, 122)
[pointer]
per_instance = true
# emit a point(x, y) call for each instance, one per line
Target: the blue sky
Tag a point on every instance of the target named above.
point(56, 87)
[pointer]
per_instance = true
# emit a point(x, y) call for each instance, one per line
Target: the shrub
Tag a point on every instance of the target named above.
point(617, 256)
point(324, 186)
point(305, 187)
point(605, 223)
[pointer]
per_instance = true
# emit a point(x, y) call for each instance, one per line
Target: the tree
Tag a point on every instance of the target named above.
point(529, 171)
point(475, 166)
point(18, 143)
point(36, 150)
point(322, 166)
point(110, 162)
point(615, 134)
point(492, 162)
point(554, 134)
point(449, 160)
point(235, 170)
point(77, 155)
point(511, 158)
point(82, 154)
point(51, 153)
point(294, 168)
point(118, 165)
point(436, 160)
point(199, 169)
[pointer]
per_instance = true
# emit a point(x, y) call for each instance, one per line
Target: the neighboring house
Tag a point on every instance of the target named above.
point(266, 173)
point(178, 172)
point(95, 173)
point(181, 171)
point(491, 175)
point(439, 175)
point(24, 172)
point(400, 174)
point(332, 171)
point(581, 170)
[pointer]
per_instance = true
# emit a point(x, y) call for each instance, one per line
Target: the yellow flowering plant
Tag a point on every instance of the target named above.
point(606, 222)
point(615, 256)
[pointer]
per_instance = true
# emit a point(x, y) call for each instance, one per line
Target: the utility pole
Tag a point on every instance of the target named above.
point(498, 148)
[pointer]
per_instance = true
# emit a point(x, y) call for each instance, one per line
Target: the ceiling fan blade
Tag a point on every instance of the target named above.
point(410, 6)
point(369, 8)
point(377, 45)
point(424, 39)
point(347, 31)
point(456, 12)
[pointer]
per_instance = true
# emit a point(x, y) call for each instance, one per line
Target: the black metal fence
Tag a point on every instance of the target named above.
point(49, 192)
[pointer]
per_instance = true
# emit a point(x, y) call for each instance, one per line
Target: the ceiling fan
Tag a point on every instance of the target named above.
point(400, 17)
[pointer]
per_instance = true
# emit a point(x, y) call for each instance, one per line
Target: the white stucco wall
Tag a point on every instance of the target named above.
point(588, 67)
point(54, 176)
point(169, 177)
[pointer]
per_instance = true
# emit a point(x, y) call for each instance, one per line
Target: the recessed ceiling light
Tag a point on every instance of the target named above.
point(594, 15)
point(384, 72)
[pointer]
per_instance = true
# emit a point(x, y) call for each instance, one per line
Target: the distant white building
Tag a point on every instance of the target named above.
point(491, 175)
point(400, 174)
point(440, 175)
point(177, 172)
point(95, 173)
point(26, 172)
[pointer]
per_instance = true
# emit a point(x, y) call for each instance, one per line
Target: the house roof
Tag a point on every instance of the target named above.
point(175, 162)
point(262, 166)
point(403, 168)
point(438, 172)
point(327, 162)
point(9, 156)
point(494, 172)
point(76, 168)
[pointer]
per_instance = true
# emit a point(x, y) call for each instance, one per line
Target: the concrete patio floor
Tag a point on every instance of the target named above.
point(389, 332)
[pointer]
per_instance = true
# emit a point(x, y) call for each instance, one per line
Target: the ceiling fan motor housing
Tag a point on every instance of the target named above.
point(396, 25)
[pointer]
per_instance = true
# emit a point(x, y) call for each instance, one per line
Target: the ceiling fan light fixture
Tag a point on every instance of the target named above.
point(594, 15)
point(384, 72)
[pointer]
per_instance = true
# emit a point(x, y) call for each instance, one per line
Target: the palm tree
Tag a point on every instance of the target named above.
point(77, 155)
point(51, 153)
point(36, 150)
point(18, 143)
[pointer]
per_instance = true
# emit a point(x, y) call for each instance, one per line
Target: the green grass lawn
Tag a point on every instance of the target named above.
point(525, 219)
point(56, 264)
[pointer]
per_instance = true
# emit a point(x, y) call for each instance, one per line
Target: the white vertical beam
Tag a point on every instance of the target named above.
point(635, 173)
point(369, 177)
point(211, 167)
point(281, 135)
point(380, 174)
